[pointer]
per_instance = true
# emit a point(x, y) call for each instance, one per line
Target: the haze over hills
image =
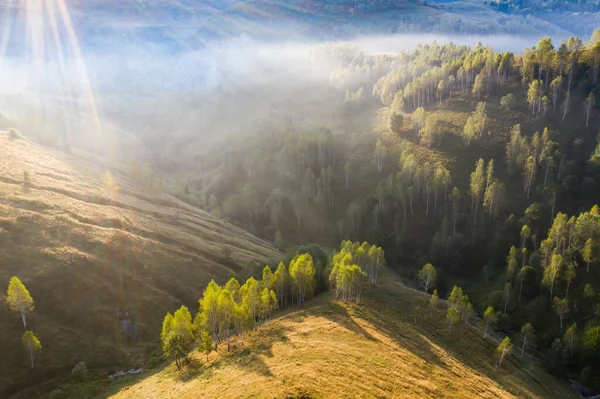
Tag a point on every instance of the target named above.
point(149, 148)
point(184, 25)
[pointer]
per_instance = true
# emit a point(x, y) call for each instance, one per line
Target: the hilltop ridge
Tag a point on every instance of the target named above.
point(330, 349)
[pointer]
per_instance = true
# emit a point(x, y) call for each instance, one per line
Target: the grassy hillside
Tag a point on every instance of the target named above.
point(102, 272)
point(335, 350)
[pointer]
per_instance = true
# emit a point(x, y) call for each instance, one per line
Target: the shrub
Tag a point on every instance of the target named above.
point(80, 372)
point(508, 101)
point(395, 123)
point(591, 343)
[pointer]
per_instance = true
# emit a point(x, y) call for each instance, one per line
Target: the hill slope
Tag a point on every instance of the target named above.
point(102, 272)
point(335, 350)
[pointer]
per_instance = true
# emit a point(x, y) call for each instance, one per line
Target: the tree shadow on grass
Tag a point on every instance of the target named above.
point(192, 369)
point(249, 355)
point(389, 311)
point(337, 313)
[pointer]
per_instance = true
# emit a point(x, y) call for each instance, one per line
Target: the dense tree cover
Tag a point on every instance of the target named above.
point(483, 197)
point(348, 268)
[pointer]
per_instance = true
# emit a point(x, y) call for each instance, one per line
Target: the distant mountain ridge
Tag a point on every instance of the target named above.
point(192, 24)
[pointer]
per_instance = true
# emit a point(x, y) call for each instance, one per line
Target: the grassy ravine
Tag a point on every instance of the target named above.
point(334, 350)
point(83, 256)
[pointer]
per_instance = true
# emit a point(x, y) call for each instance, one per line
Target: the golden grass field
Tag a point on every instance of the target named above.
point(334, 350)
point(83, 257)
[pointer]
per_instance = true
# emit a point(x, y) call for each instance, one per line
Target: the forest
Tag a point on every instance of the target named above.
point(485, 168)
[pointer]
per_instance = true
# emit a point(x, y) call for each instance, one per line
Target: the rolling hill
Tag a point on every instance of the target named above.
point(103, 271)
point(334, 350)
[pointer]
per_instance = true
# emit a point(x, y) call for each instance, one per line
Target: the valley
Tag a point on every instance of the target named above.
point(299, 199)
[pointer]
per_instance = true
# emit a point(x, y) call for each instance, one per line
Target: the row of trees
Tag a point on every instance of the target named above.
point(232, 309)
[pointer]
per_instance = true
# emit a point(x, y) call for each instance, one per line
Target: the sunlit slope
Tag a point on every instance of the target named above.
point(102, 273)
point(333, 350)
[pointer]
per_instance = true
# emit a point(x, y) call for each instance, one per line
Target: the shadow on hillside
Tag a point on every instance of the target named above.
point(389, 313)
point(249, 357)
point(340, 315)
point(396, 321)
point(193, 369)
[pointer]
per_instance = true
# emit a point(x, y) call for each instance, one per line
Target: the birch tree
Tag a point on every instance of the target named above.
point(418, 118)
point(226, 308)
point(566, 105)
point(569, 337)
point(555, 90)
point(205, 345)
point(433, 301)
point(504, 349)
point(529, 172)
point(512, 262)
point(477, 86)
point(268, 303)
point(494, 198)
point(469, 131)
point(282, 279)
point(589, 103)
point(452, 317)
point(527, 334)
point(19, 299)
point(428, 275)
point(513, 149)
point(523, 272)
point(569, 274)
point(534, 95)
point(589, 292)
point(477, 185)
point(209, 308)
point(302, 272)
point(489, 320)
point(552, 271)
point(250, 293)
point(32, 345)
point(506, 294)
point(525, 234)
point(561, 307)
point(380, 153)
point(588, 253)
